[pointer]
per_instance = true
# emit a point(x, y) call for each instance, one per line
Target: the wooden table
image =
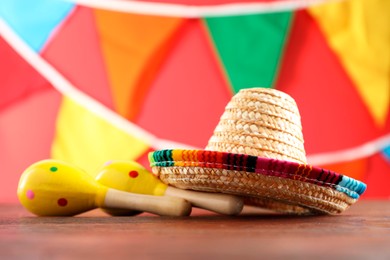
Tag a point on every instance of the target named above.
point(362, 232)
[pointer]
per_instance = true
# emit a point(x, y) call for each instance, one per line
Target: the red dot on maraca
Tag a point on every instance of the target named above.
point(62, 202)
point(133, 174)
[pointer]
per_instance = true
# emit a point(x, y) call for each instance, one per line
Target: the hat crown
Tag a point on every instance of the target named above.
point(260, 122)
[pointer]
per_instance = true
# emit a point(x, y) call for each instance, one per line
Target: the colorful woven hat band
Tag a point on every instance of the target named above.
point(258, 165)
point(257, 151)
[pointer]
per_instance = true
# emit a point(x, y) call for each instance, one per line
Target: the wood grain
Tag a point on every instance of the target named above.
point(362, 232)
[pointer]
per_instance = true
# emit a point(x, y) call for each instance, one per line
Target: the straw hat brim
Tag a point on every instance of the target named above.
point(269, 183)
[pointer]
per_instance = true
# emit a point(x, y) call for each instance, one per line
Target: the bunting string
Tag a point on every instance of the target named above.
point(61, 84)
point(190, 11)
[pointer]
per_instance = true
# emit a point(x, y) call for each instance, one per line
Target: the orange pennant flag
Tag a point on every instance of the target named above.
point(133, 47)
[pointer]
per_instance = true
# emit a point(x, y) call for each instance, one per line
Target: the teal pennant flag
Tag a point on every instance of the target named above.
point(34, 20)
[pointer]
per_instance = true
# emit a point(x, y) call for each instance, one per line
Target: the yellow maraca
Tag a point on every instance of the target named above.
point(132, 177)
point(55, 188)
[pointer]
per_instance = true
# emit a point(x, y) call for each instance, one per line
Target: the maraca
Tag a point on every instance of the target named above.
point(55, 188)
point(132, 177)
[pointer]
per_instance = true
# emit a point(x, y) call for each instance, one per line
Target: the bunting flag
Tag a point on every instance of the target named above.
point(132, 64)
point(91, 81)
point(368, 62)
point(386, 152)
point(27, 20)
point(76, 128)
point(249, 46)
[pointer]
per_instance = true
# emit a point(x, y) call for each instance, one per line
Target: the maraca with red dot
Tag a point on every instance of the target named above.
point(132, 177)
point(55, 188)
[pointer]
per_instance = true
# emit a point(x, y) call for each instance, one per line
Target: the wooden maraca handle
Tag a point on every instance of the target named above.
point(217, 202)
point(160, 205)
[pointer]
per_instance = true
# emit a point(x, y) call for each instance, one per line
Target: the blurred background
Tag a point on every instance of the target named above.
point(91, 81)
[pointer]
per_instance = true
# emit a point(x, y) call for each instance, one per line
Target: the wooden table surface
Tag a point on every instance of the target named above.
point(362, 232)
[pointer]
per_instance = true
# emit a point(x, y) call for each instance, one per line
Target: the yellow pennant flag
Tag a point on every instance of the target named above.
point(359, 33)
point(88, 141)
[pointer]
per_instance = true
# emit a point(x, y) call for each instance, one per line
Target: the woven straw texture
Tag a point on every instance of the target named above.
point(260, 122)
point(278, 191)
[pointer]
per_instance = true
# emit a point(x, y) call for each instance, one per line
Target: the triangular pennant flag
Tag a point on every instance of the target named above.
point(250, 46)
point(181, 105)
point(13, 86)
point(386, 153)
point(359, 32)
point(134, 47)
point(88, 141)
point(333, 116)
point(34, 21)
point(75, 53)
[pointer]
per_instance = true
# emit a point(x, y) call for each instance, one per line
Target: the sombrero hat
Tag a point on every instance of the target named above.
point(257, 151)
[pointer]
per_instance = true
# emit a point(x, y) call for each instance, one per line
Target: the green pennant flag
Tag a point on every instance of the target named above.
point(250, 46)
